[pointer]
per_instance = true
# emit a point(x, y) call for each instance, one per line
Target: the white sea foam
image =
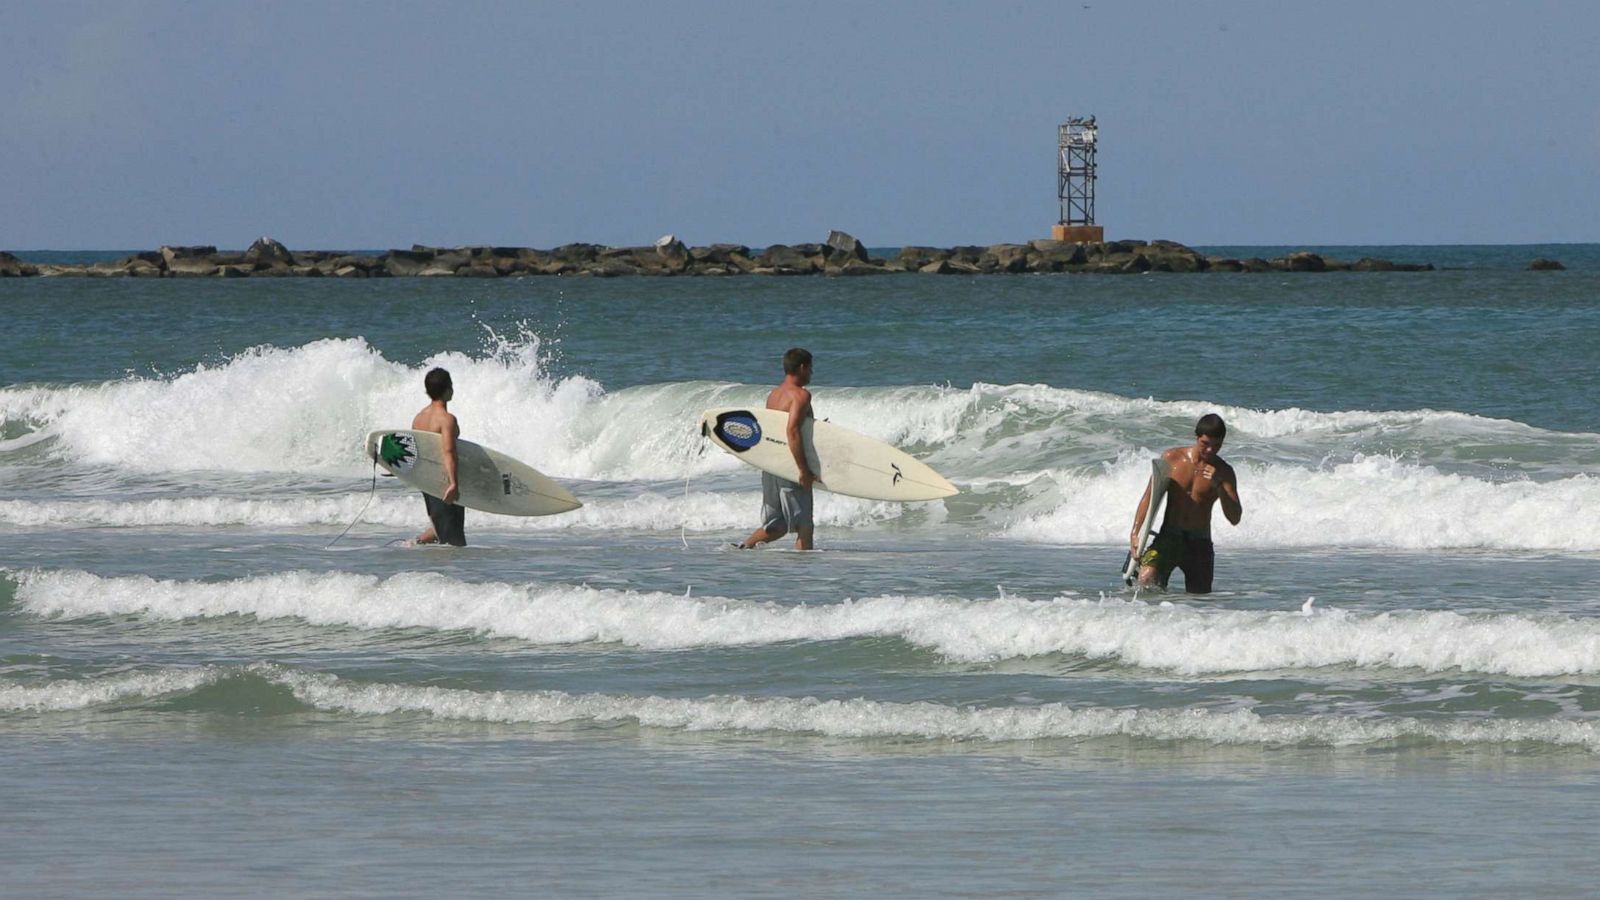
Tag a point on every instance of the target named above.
point(1371, 501)
point(865, 719)
point(69, 694)
point(1040, 463)
point(1182, 639)
point(306, 409)
point(649, 510)
point(857, 718)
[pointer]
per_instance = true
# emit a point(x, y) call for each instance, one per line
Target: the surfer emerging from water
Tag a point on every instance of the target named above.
point(449, 520)
point(785, 504)
point(1199, 479)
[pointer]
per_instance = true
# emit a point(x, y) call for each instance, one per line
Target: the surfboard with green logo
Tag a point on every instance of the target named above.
point(489, 481)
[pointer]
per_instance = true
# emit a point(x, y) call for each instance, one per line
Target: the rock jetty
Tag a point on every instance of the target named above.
point(840, 255)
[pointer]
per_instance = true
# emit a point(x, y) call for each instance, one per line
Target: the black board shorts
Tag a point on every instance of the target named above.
point(1189, 553)
point(449, 521)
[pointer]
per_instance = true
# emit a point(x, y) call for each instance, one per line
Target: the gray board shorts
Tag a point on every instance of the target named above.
point(785, 505)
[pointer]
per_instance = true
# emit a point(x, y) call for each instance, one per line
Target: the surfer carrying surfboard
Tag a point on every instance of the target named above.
point(449, 520)
point(1198, 479)
point(786, 505)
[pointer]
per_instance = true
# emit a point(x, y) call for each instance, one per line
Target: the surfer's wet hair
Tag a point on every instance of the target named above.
point(1211, 425)
point(794, 359)
point(437, 384)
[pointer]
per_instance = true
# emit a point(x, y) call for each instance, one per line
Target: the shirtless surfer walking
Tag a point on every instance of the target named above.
point(1199, 479)
point(785, 504)
point(449, 520)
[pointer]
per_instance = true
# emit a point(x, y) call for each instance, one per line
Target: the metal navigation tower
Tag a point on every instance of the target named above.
point(1075, 173)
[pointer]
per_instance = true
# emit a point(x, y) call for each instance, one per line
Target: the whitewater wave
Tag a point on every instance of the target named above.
point(71, 694)
point(1372, 502)
point(1378, 502)
point(305, 410)
point(1181, 639)
point(846, 719)
point(1036, 463)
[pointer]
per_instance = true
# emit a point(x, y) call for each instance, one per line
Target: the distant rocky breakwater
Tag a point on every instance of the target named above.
point(840, 255)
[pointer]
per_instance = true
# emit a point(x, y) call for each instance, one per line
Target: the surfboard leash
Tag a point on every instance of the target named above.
point(683, 527)
point(371, 492)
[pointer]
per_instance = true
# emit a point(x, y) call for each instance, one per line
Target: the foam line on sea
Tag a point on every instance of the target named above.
point(1375, 502)
point(854, 719)
point(1183, 639)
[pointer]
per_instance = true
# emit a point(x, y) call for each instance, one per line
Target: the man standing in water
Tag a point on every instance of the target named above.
point(1199, 479)
point(786, 505)
point(449, 520)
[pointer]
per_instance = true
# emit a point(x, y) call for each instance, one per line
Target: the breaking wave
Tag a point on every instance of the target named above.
point(1182, 639)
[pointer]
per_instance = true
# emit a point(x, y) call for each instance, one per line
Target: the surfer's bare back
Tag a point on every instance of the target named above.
point(786, 505)
point(449, 520)
point(1199, 479)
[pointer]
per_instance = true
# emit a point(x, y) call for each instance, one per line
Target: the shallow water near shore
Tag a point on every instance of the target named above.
point(199, 695)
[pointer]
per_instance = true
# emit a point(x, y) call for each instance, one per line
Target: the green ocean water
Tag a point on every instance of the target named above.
point(198, 695)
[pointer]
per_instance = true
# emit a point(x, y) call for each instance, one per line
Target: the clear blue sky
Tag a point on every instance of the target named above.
point(131, 124)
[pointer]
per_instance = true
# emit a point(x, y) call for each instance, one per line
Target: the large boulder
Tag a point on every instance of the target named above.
point(12, 267)
point(785, 260)
point(407, 262)
point(1546, 265)
point(840, 242)
point(611, 267)
point(195, 252)
point(1169, 256)
point(268, 252)
point(576, 254)
point(503, 264)
point(365, 263)
point(856, 267)
point(967, 255)
point(948, 267)
point(1300, 261)
point(671, 255)
point(669, 247)
point(191, 266)
point(734, 258)
point(918, 258)
point(1010, 258)
point(1056, 256)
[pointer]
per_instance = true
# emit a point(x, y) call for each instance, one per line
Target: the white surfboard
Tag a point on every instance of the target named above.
point(845, 462)
point(1160, 477)
point(489, 480)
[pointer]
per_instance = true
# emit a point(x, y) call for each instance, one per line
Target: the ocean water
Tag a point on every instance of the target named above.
point(1394, 691)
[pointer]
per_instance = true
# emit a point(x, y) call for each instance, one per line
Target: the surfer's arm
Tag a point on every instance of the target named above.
point(799, 408)
point(1228, 493)
point(447, 455)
